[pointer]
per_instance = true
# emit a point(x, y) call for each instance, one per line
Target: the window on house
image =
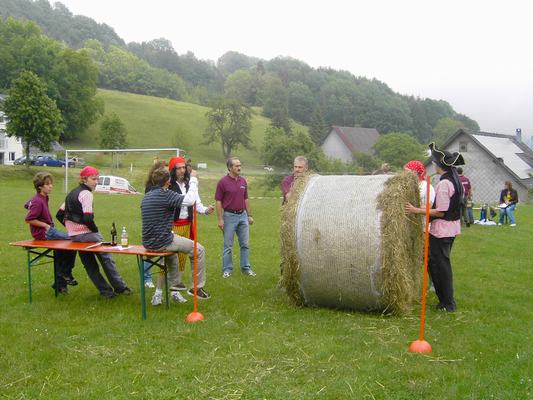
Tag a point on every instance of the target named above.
point(12, 156)
point(463, 147)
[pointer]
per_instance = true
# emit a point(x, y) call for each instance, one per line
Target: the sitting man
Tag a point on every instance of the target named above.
point(157, 211)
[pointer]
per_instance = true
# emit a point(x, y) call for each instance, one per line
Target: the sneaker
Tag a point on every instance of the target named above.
point(177, 297)
point(512, 225)
point(249, 272)
point(149, 285)
point(200, 292)
point(179, 286)
point(226, 274)
point(109, 295)
point(447, 308)
point(127, 291)
point(157, 299)
point(70, 280)
point(499, 224)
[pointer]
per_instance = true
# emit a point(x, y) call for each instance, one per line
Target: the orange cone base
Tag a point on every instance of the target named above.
point(194, 317)
point(420, 346)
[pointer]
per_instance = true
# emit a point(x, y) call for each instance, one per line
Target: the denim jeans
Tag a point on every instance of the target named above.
point(147, 272)
point(93, 270)
point(509, 211)
point(63, 259)
point(236, 224)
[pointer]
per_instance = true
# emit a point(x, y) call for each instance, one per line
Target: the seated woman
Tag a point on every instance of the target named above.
point(508, 201)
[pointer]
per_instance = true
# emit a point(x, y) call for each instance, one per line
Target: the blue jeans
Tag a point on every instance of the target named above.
point(63, 259)
point(235, 224)
point(147, 272)
point(509, 211)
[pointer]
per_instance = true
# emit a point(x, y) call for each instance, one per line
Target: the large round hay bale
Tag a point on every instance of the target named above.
point(347, 243)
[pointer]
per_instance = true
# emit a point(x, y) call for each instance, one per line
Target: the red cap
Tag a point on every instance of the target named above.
point(88, 171)
point(175, 160)
point(417, 167)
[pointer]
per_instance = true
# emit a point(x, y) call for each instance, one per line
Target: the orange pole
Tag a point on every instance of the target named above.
point(426, 254)
point(195, 258)
point(195, 316)
point(420, 345)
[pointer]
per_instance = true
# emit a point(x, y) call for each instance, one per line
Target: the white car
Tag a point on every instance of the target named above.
point(114, 184)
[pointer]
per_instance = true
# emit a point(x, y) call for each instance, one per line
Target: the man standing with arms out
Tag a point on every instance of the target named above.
point(234, 216)
point(445, 224)
point(179, 182)
point(299, 169)
point(467, 215)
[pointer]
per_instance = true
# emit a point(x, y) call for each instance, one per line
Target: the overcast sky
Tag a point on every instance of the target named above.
point(477, 55)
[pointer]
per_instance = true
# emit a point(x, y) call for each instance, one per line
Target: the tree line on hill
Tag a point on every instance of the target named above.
point(86, 54)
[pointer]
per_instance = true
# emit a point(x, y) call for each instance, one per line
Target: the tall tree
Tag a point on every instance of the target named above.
point(33, 116)
point(397, 148)
point(229, 122)
point(70, 76)
point(444, 129)
point(318, 129)
point(112, 132)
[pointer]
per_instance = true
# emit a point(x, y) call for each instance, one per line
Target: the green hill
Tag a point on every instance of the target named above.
point(153, 122)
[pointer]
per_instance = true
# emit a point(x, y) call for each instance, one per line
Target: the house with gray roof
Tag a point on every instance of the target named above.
point(342, 141)
point(490, 160)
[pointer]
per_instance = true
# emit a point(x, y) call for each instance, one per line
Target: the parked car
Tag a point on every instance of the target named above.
point(114, 184)
point(48, 161)
point(22, 160)
point(71, 162)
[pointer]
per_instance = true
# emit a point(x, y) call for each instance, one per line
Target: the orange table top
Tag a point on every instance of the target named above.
point(92, 247)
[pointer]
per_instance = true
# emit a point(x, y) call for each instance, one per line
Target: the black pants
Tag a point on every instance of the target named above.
point(440, 269)
point(63, 264)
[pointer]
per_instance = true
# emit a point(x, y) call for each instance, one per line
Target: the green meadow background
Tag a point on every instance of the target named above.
point(253, 343)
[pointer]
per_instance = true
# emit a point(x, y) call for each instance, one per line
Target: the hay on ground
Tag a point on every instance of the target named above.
point(346, 242)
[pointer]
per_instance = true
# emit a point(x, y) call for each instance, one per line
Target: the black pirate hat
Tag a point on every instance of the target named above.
point(444, 158)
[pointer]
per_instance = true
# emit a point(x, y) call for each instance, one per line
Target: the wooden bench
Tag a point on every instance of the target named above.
point(39, 250)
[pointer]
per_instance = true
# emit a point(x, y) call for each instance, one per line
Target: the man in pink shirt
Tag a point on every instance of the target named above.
point(445, 224)
point(234, 216)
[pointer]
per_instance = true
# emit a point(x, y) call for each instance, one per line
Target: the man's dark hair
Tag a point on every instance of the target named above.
point(460, 170)
point(40, 179)
point(160, 177)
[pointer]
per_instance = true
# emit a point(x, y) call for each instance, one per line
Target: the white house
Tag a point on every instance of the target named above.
point(10, 147)
point(490, 160)
point(342, 141)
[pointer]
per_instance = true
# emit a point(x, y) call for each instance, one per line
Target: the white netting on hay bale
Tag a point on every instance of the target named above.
point(346, 242)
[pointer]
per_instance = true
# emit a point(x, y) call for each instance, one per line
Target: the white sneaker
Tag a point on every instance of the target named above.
point(513, 225)
point(177, 297)
point(149, 285)
point(499, 224)
point(157, 299)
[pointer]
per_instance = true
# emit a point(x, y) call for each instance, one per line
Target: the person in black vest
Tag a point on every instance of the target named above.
point(76, 213)
point(445, 224)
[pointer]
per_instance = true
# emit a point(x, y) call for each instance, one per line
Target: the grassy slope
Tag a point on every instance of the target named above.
point(254, 344)
point(153, 122)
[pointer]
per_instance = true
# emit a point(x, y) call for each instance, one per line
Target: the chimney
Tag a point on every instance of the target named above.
point(519, 135)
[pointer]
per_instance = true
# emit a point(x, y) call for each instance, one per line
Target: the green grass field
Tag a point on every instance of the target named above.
point(253, 343)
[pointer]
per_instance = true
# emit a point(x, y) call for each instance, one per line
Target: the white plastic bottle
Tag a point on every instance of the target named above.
point(124, 237)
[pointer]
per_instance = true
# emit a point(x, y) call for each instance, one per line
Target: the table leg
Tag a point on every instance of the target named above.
point(140, 264)
point(29, 275)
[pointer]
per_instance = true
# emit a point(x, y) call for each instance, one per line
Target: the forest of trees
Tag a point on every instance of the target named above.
point(284, 88)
